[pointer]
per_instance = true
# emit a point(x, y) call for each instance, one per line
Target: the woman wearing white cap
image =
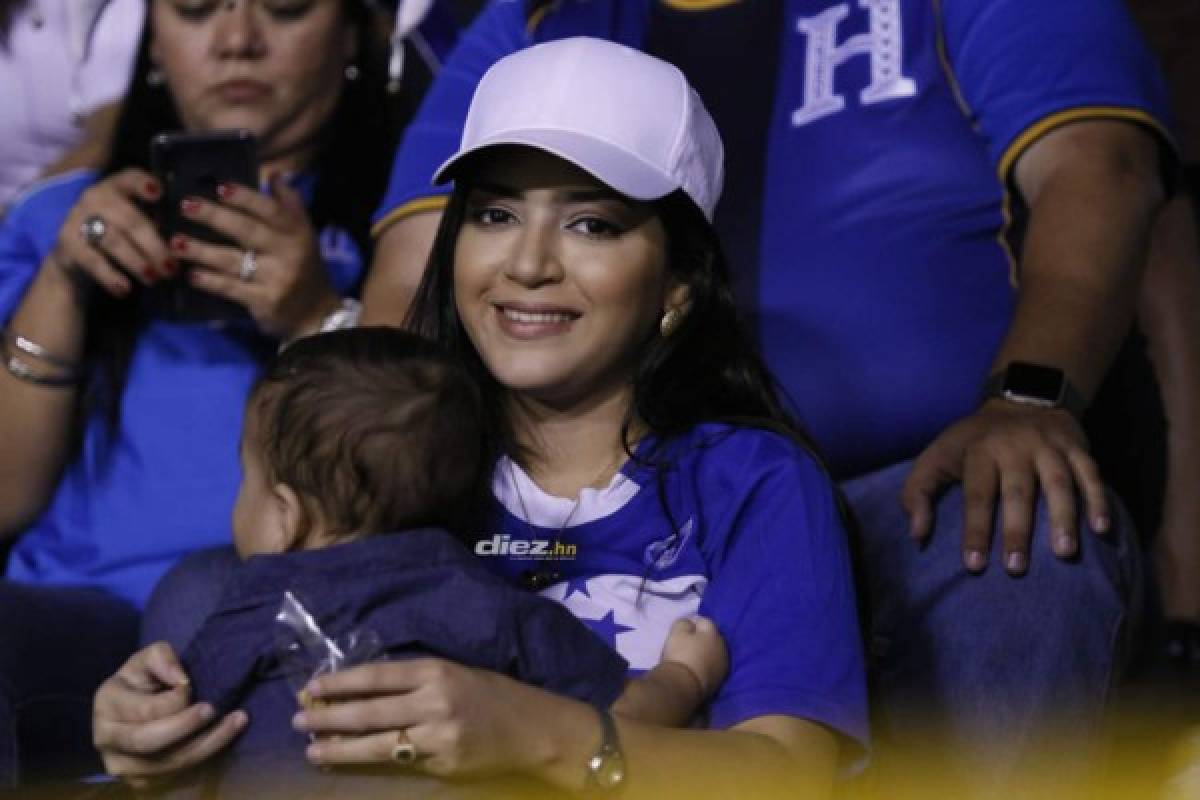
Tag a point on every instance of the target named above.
point(577, 272)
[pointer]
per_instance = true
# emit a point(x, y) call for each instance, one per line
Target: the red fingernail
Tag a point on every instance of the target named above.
point(190, 205)
point(225, 191)
point(169, 267)
point(151, 189)
point(178, 243)
point(150, 275)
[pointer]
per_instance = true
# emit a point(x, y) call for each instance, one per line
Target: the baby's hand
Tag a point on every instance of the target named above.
point(695, 643)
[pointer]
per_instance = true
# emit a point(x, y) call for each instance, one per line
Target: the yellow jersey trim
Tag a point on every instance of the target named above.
point(1043, 126)
point(698, 5)
point(417, 206)
point(538, 15)
point(944, 60)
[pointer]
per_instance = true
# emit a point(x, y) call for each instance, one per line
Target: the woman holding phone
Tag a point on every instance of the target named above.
point(120, 421)
point(577, 273)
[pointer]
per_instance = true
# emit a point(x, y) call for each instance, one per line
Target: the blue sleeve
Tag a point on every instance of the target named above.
point(1024, 68)
point(29, 232)
point(434, 133)
point(782, 592)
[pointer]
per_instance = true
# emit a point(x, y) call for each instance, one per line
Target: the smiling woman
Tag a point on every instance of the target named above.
point(558, 281)
point(120, 419)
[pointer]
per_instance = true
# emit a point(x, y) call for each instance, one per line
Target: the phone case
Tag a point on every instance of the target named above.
point(193, 165)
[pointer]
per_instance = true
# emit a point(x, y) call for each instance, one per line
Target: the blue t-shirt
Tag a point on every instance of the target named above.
point(129, 505)
point(868, 203)
point(752, 540)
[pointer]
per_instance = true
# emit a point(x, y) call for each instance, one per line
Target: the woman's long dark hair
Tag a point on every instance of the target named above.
point(355, 145)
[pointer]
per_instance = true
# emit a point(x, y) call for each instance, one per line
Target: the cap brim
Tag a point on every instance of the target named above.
point(612, 166)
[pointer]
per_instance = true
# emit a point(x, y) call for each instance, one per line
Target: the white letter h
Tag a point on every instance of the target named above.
point(884, 44)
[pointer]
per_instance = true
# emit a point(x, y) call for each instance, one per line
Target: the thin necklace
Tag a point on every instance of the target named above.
point(536, 580)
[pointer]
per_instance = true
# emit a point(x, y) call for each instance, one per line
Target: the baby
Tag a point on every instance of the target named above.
point(365, 463)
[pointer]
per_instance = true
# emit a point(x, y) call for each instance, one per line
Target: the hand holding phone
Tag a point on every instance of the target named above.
point(194, 164)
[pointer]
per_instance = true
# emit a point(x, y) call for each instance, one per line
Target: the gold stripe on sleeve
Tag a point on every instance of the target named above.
point(1046, 124)
point(435, 202)
point(698, 5)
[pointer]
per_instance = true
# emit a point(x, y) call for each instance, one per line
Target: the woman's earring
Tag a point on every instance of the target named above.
point(670, 321)
point(155, 77)
point(351, 72)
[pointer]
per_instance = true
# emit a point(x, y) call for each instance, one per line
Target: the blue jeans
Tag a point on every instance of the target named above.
point(57, 645)
point(1001, 667)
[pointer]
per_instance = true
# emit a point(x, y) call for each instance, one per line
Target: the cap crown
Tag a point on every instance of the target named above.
point(628, 118)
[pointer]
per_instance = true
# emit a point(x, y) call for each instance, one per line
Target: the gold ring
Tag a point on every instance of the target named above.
point(404, 752)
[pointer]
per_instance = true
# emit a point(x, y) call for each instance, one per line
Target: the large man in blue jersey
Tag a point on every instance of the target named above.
point(935, 214)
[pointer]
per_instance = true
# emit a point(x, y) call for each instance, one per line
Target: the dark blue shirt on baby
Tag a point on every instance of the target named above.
point(422, 593)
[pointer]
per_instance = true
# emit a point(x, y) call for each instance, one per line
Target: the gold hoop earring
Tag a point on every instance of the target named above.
point(670, 321)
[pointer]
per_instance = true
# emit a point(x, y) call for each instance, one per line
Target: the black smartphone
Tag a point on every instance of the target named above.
point(193, 165)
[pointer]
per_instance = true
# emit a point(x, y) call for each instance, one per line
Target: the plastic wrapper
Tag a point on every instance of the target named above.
point(305, 651)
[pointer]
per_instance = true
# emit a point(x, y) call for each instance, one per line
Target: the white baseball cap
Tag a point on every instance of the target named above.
point(629, 119)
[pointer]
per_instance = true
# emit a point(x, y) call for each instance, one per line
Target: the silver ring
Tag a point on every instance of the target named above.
point(93, 229)
point(249, 266)
point(404, 752)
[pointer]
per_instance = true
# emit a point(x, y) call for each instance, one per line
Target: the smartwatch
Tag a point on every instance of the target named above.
point(1035, 385)
point(606, 769)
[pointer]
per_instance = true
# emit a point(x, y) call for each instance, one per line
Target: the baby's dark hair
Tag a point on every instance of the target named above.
point(375, 429)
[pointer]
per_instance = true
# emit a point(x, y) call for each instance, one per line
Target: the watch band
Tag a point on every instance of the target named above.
point(1035, 385)
point(606, 769)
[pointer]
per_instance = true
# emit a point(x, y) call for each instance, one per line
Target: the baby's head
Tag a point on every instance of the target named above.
point(354, 433)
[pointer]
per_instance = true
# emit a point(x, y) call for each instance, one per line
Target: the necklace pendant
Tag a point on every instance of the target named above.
point(535, 580)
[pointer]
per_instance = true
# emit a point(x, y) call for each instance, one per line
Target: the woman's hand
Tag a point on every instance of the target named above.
point(287, 290)
point(462, 721)
point(128, 248)
point(145, 726)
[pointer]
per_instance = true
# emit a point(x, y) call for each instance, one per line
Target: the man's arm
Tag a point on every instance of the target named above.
point(1092, 188)
point(400, 255)
point(1169, 314)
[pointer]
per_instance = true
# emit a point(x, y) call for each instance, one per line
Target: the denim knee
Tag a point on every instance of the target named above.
point(941, 636)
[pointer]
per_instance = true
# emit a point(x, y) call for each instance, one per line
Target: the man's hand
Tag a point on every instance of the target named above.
point(1002, 454)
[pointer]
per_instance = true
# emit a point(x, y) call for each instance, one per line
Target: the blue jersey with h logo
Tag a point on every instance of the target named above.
point(870, 146)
